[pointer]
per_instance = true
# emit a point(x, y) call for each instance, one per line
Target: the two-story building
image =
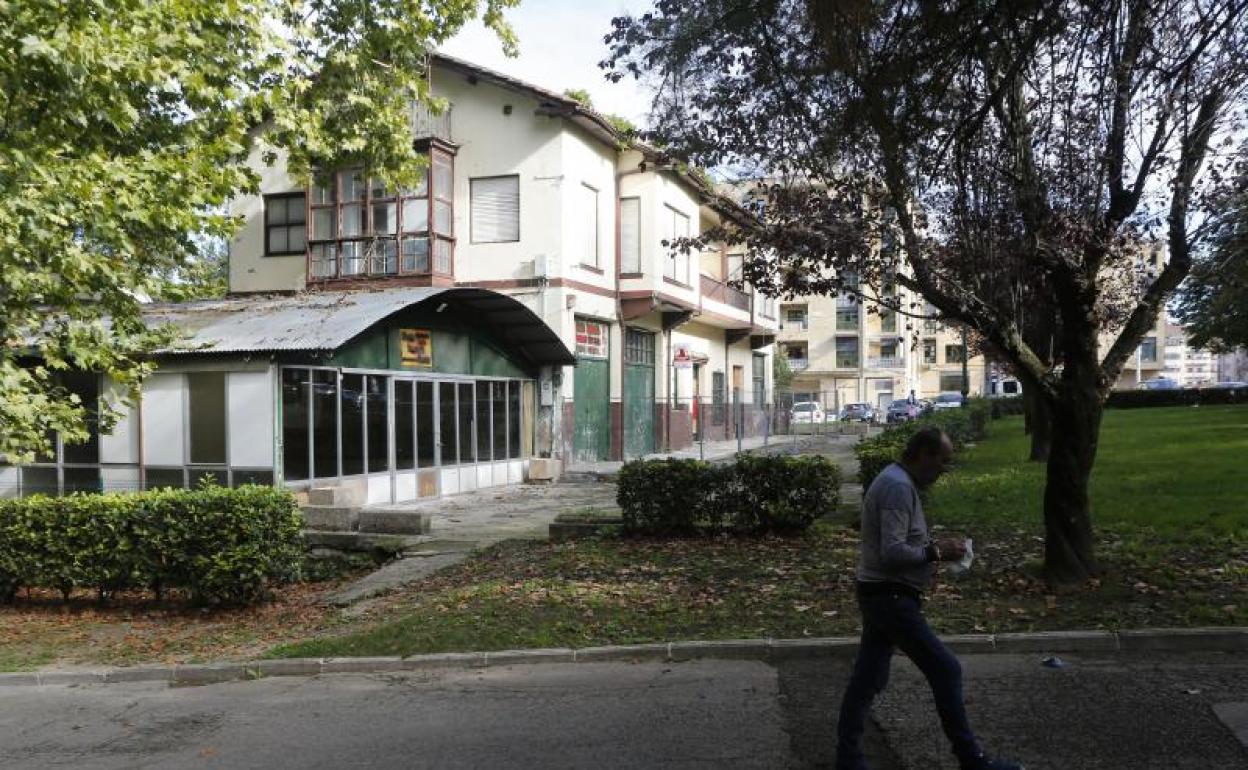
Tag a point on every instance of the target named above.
point(519, 302)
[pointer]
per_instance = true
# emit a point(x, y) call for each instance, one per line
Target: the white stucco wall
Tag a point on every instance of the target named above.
point(250, 270)
point(164, 433)
point(250, 428)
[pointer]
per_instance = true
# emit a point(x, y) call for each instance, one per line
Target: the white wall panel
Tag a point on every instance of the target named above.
point(164, 434)
point(250, 429)
point(122, 445)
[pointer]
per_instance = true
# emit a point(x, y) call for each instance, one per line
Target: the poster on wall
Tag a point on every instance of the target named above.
point(416, 348)
point(682, 356)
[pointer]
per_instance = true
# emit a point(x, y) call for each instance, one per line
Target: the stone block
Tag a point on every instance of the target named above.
point(829, 647)
point(288, 667)
point(1232, 639)
point(634, 652)
point(342, 495)
point(19, 680)
point(139, 674)
point(517, 657)
point(442, 660)
point(394, 522)
point(70, 678)
point(210, 673)
point(970, 643)
point(331, 518)
point(544, 469)
point(1058, 641)
point(734, 649)
point(362, 665)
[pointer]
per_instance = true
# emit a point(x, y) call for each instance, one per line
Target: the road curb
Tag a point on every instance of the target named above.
point(1215, 639)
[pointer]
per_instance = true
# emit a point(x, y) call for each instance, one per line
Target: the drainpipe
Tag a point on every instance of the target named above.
point(619, 305)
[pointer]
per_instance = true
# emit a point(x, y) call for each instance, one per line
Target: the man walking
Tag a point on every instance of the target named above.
point(895, 565)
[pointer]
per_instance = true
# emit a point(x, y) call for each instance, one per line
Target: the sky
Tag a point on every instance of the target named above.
point(560, 47)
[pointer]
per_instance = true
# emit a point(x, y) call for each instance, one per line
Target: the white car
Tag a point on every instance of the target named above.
point(806, 411)
point(948, 400)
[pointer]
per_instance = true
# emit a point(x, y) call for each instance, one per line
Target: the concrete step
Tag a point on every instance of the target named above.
point(335, 496)
point(335, 518)
point(587, 477)
point(395, 522)
point(363, 541)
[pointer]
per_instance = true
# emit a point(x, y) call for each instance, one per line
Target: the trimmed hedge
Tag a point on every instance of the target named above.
point(223, 546)
point(1007, 407)
point(965, 425)
point(1141, 399)
point(753, 495)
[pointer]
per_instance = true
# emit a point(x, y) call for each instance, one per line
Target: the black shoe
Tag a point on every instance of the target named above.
point(985, 762)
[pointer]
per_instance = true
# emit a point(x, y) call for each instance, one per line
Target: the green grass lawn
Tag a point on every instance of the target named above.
point(1181, 472)
point(1170, 517)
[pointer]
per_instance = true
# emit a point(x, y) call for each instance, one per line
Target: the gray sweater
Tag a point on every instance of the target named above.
point(894, 532)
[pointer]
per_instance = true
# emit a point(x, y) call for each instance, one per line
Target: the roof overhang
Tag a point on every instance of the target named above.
point(325, 321)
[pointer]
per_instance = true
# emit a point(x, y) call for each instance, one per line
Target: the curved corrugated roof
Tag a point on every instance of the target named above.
point(328, 320)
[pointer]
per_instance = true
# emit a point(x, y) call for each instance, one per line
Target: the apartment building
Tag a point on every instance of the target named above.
point(842, 351)
point(517, 303)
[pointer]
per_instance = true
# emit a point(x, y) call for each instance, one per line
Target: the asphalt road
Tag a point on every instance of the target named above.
point(1107, 712)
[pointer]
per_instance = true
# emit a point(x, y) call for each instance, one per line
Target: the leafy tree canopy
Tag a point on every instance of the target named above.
point(125, 127)
point(1213, 302)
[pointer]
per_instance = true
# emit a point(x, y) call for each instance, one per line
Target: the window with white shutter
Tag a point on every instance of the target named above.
point(588, 216)
point(630, 235)
point(495, 209)
point(676, 264)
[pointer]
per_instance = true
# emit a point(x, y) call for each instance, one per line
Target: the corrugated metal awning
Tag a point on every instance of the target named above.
point(328, 320)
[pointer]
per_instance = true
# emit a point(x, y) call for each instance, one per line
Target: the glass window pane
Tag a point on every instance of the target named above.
point(82, 479)
point(324, 423)
point(206, 414)
point(324, 224)
point(296, 210)
point(513, 424)
point(385, 218)
point(378, 425)
point(442, 177)
point(441, 256)
point(378, 189)
point(353, 258)
point(324, 260)
point(323, 194)
point(415, 255)
point(466, 443)
point(200, 476)
point(263, 478)
point(483, 420)
point(500, 421)
point(404, 434)
point(442, 217)
point(294, 424)
point(415, 215)
point(422, 187)
point(352, 220)
point(296, 238)
point(277, 240)
point(39, 481)
point(446, 424)
point(87, 388)
point(424, 425)
point(352, 399)
point(167, 478)
point(352, 185)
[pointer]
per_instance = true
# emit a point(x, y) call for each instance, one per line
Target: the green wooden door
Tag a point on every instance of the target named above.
point(591, 432)
point(638, 393)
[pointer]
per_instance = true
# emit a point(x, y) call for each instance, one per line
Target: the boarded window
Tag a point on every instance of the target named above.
point(495, 209)
point(207, 417)
point(591, 338)
point(630, 235)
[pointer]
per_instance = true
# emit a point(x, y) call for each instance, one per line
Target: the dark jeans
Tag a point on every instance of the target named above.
point(894, 619)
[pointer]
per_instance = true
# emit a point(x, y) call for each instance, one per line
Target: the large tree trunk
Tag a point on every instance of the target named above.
point(1076, 424)
point(1038, 423)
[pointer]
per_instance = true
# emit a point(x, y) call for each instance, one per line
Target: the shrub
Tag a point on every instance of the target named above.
point(224, 546)
point(966, 425)
point(749, 496)
point(1006, 407)
point(1140, 399)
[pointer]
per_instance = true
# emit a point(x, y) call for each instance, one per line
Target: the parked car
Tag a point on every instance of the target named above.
point(1160, 383)
point(806, 412)
point(902, 410)
point(948, 400)
point(926, 405)
point(1229, 385)
point(858, 412)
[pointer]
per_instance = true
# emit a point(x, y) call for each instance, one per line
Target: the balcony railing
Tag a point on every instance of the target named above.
point(725, 294)
point(885, 362)
point(846, 362)
point(426, 125)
